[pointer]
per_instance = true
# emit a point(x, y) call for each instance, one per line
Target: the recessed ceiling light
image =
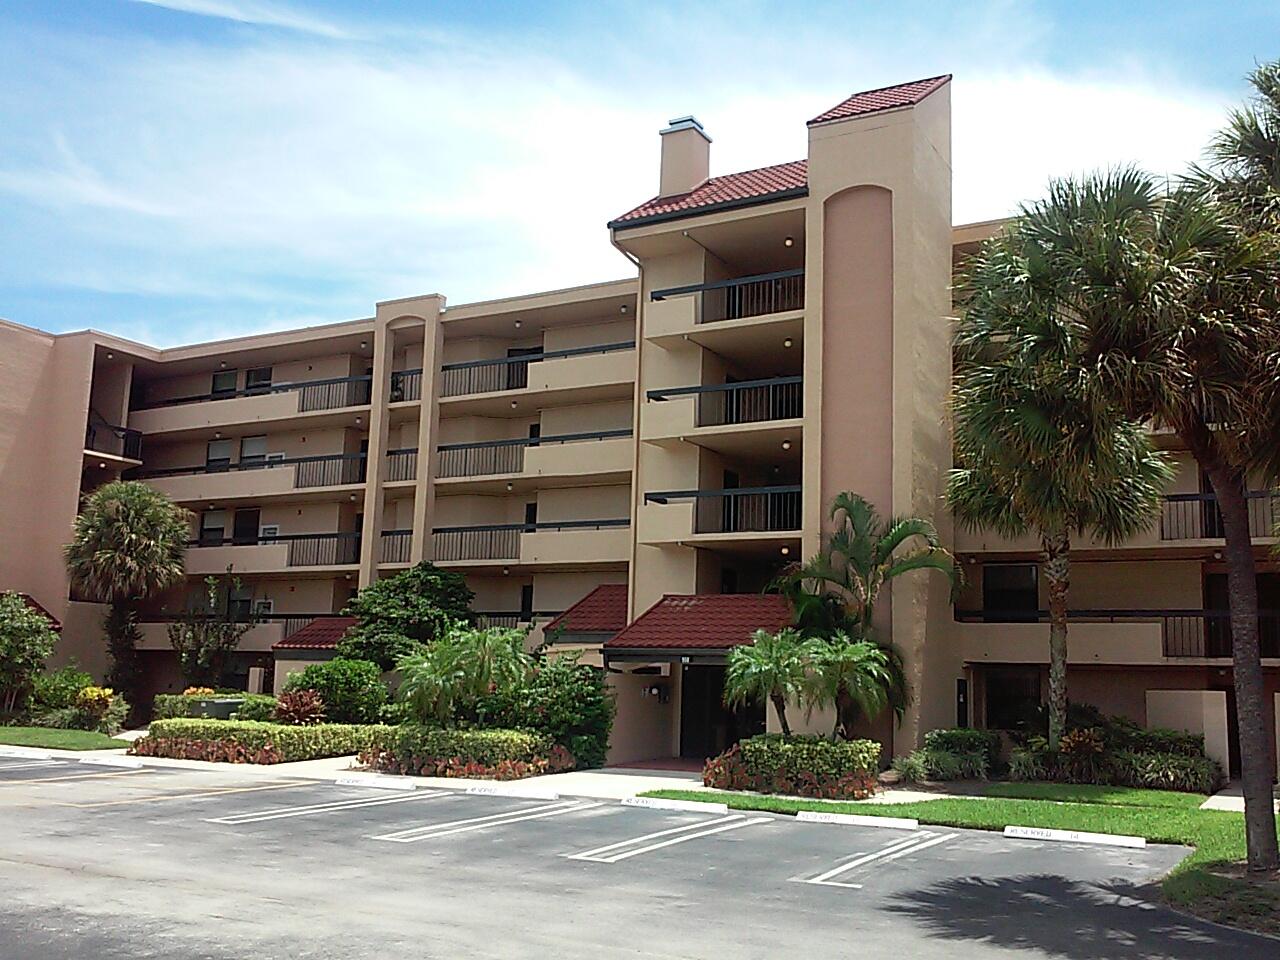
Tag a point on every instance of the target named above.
point(519, 324)
point(623, 308)
point(788, 241)
point(787, 343)
point(364, 344)
point(510, 487)
point(785, 551)
point(786, 444)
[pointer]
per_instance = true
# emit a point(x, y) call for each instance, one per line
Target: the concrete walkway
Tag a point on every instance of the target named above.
point(1230, 798)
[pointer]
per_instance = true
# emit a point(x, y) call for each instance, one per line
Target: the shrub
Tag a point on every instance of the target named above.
point(566, 700)
point(26, 640)
point(398, 613)
point(1165, 771)
point(352, 690)
point(199, 692)
point(168, 706)
point(436, 752)
point(299, 708)
point(1080, 756)
point(57, 690)
point(256, 706)
point(92, 712)
point(964, 741)
point(798, 765)
point(935, 763)
point(1030, 763)
point(911, 767)
point(232, 741)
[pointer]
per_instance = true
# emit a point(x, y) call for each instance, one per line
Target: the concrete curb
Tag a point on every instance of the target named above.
point(857, 820)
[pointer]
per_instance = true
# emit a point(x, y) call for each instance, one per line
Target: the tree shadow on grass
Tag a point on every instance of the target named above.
point(1057, 917)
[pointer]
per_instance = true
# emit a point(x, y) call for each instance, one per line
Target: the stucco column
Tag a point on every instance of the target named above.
point(424, 491)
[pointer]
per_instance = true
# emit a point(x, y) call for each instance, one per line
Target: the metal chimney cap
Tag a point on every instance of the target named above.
point(685, 123)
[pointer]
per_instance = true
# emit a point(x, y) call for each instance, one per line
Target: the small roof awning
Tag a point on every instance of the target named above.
point(593, 619)
point(697, 628)
point(323, 633)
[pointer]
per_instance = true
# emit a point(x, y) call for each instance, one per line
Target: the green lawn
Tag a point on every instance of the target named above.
point(52, 739)
point(1194, 885)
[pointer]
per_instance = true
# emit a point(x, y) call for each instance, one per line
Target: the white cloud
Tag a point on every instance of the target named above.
point(247, 11)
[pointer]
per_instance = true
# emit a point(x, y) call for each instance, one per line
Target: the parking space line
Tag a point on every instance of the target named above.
point(75, 776)
point(328, 806)
point(704, 829)
point(449, 828)
point(29, 765)
point(892, 851)
point(156, 797)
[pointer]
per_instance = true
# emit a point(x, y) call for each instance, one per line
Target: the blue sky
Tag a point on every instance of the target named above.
point(178, 170)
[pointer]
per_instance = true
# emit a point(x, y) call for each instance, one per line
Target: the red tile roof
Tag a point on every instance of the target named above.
point(766, 183)
point(603, 610)
point(34, 604)
point(323, 633)
point(704, 621)
point(886, 98)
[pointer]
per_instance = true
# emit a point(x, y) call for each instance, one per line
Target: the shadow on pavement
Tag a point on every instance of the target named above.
point(1063, 918)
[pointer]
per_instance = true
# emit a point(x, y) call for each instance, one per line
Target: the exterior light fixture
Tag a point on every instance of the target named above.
point(510, 487)
point(364, 344)
point(506, 571)
point(1217, 554)
point(222, 363)
point(786, 444)
point(111, 356)
point(519, 324)
point(352, 498)
point(623, 308)
point(788, 241)
point(513, 404)
point(785, 550)
point(217, 434)
point(357, 420)
point(787, 343)
point(102, 466)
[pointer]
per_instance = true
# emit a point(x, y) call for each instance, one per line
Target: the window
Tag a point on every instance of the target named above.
point(1010, 592)
point(253, 452)
point(1012, 697)
point(526, 603)
point(217, 456)
point(530, 516)
point(224, 384)
point(239, 603)
point(257, 381)
point(213, 528)
point(245, 529)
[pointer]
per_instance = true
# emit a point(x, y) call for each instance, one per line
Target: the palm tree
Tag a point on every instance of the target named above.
point(835, 593)
point(846, 671)
point(1034, 451)
point(773, 667)
point(1172, 302)
point(128, 543)
point(443, 681)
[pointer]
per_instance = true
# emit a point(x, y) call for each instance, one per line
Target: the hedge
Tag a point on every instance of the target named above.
point(234, 741)
point(965, 740)
point(799, 765)
point(437, 752)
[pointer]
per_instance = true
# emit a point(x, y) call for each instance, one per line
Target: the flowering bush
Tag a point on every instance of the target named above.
point(801, 766)
point(199, 692)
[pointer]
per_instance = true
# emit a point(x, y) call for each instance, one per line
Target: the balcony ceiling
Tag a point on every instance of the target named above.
point(597, 303)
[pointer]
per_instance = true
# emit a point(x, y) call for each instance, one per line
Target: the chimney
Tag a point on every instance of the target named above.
point(686, 157)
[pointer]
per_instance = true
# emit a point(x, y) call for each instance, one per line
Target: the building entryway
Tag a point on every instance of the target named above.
point(707, 726)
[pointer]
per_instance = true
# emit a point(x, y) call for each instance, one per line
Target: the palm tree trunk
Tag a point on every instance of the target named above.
point(846, 712)
point(780, 708)
point(1242, 600)
point(1057, 573)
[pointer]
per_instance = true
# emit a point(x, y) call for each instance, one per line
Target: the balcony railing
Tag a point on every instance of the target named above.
point(741, 297)
point(748, 401)
point(488, 457)
point(118, 441)
point(402, 464)
point(1185, 633)
point(501, 541)
point(741, 510)
point(490, 618)
point(305, 549)
point(323, 471)
point(1195, 516)
point(291, 622)
point(395, 546)
point(406, 385)
point(509, 373)
point(330, 394)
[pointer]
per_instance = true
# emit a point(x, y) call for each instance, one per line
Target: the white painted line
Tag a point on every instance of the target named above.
point(434, 830)
point(858, 820)
point(654, 803)
point(124, 762)
point(866, 858)
point(1074, 836)
point(19, 754)
point(738, 822)
point(311, 809)
point(515, 793)
point(376, 781)
point(920, 846)
point(27, 766)
point(592, 854)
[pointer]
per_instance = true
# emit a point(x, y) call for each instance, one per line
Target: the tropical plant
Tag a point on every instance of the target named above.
point(128, 543)
point(26, 641)
point(773, 667)
point(352, 690)
point(300, 708)
point(856, 677)
point(202, 638)
point(1035, 449)
point(445, 679)
point(398, 613)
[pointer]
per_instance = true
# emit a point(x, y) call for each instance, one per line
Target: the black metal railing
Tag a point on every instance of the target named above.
point(509, 373)
point(740, 510)
point(406, 385)
point(305, 549)
point(747, 401)
point(1195, 516)
point(395, 546)
point(1184, 633)
point(118, 441)
point(501, 541)
point(290, 623)
point(754, 296)
point(330, 394)
point(321, 471)
point(402, 464)
point(491, 618)
point(488, 457)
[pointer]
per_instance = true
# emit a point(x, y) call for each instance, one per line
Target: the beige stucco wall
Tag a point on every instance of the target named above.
point(1195, 711)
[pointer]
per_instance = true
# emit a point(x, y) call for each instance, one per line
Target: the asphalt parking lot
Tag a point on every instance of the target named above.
point(113, 862)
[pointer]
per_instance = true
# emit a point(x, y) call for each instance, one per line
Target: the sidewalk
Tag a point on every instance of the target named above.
point(1230, 798)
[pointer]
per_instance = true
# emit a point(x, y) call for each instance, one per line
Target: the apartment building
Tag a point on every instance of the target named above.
point(623, 467)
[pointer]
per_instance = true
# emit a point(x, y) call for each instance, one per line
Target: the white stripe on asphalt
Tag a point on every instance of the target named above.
point(28, 766)
point(739, 823)
point(449, 828)
point(891, 852)
point(331, 806)
point(588, 854)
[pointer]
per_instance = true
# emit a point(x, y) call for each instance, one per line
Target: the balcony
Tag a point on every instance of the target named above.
point(1110, 636)
point(580, 374)
point(252, 405)
point(567, 542)
point(273, 554)
point(262, 634)
point(745, 318)
point(402, 465)
point(406, 385)
point(120, 443)
point(603, 456)
point(750, 517)
point(395, 546)
point(1195, 516)
point(736, 419)
point(741, 297)
point(257, 478)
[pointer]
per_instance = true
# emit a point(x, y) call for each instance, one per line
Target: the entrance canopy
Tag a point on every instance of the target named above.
point(697, 628)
